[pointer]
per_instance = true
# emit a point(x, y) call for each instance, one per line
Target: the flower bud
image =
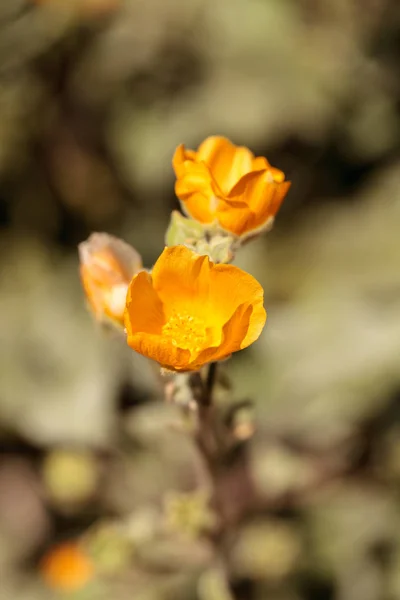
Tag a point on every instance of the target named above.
point(107, 267)
point(226, 184)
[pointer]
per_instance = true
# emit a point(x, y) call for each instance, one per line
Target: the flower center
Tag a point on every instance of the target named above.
point(185, 331)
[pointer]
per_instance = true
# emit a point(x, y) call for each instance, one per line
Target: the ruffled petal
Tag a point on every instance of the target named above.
point(252, 202)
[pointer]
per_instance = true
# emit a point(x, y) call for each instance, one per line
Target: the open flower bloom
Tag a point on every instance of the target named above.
point(107, 266)
point(190, 312)
point(228, 184)
point(67, 567)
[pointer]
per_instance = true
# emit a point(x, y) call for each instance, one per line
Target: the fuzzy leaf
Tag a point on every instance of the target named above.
point(182, 230)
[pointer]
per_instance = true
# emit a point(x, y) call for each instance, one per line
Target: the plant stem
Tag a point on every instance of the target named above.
point(209, 384)
point(211, 450)
point(206, 437)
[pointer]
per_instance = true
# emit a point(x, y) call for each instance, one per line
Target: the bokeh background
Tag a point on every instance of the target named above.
point(94, 97)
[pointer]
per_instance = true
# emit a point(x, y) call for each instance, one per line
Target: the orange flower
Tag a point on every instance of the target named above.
point(228, 184)
point(66, 567)
point(107, 266)
point(190, 312)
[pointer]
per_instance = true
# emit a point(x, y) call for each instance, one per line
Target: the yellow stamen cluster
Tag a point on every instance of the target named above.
point(185, 331)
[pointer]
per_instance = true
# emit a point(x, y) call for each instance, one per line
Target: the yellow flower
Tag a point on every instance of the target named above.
point(107, 266)
point(190, 312)
point(66, 567)
point(228, 184)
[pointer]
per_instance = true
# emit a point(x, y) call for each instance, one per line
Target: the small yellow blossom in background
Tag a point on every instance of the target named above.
point(66, 567)
point(107, 266)
point(189, 513)
point(227, 184)
point(69, 476)
point(190, 311)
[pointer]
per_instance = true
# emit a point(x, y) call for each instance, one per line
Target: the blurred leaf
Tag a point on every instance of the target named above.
point(213, 586)
point(109, 547)
point(176, 553)
point(266, 549)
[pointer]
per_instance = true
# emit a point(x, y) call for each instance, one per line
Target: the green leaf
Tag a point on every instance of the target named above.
point(221, 249)
point(213, 585)
point(182, 230)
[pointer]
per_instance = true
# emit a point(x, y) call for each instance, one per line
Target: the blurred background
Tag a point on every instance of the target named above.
point(95, 95)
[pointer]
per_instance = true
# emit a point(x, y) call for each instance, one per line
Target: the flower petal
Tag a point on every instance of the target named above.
point(227, 162)
point(281, 191)
point(196, 192)
point(231, 287)
point(112, 257)
point(257, 189)
point(233, 334)
point(256, 325)
point(198, 206)
point(260, 163)
point(181, 279)
point(178, 160)
point(238, 222)
point(252, 202)
point(161, 350)
point(144, 311)
point(194, 185)
point(93, 292)
point(181, 155)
